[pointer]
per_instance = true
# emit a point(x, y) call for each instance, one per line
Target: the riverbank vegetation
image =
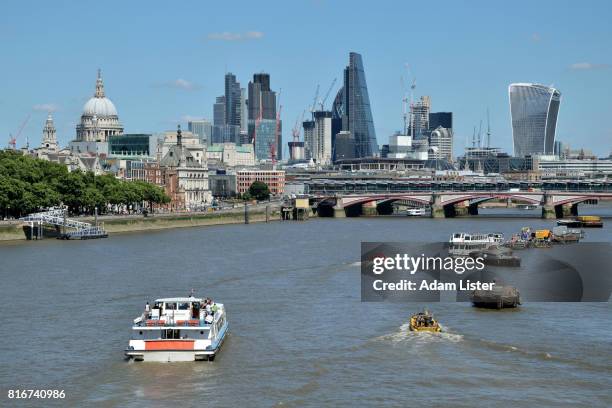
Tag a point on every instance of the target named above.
point(28, 185)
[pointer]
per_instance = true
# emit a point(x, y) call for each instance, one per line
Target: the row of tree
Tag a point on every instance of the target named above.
point(28, 185)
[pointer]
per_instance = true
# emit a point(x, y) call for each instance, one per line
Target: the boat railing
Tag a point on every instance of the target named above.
point(171, 323)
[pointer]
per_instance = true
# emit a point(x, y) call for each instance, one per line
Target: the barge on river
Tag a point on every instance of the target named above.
point(178, 329)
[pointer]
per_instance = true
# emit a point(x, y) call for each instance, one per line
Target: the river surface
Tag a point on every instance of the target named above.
point(299, 334)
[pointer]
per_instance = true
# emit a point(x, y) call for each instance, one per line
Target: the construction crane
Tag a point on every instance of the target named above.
point(296, 129)
point(316, 98)
point(13, 140)
point(322, 103)
point(408, 122)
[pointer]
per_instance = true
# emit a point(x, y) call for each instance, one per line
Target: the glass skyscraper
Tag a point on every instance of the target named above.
point(357, 115)
point(533, 111)
point(262, 118)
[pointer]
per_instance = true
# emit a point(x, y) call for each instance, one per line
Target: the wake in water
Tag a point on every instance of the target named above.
point(405, 335)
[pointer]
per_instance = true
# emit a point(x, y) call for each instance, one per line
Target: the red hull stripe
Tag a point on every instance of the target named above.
point(153, 345)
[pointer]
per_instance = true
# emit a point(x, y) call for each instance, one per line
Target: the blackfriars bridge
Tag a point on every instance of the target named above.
point(555, 204)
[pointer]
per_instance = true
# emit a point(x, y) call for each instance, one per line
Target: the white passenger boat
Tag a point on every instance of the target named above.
point(418, 212)
point(178, 329)
point(462, 244)
point(475, 239)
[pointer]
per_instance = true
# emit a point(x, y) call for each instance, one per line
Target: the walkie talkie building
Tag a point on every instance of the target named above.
point(533, 112)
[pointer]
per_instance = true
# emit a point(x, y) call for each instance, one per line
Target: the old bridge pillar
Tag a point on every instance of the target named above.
point(549, 211)
point(339, 208)
point(437, 209)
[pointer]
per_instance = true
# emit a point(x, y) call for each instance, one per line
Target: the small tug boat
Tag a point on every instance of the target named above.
point(178, 329)
point(424, 322)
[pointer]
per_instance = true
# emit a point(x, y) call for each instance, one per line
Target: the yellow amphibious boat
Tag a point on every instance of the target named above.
point(424, 322)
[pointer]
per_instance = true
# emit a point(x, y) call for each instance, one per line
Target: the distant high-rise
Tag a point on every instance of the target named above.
point(201, 128)
point(262, 127)
point(261, 99)
point(440, 119)
point(533, 111)
point(244, 115)
point(356, 111)
point(419, 118)
point(219, 111)
point(232, 100)
point(441, 144)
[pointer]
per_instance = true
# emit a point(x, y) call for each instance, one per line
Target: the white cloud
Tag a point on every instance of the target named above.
point(536, 37)
point(180, 83)
point(584, 66)
point(229, 36)
point(45, 107)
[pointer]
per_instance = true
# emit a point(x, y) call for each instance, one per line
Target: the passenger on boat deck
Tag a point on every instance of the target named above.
point(147, 310)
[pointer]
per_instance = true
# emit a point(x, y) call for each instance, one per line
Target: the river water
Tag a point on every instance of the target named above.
point(299, 335)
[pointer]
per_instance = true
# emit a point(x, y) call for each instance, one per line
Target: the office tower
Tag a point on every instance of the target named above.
point(296, 151)
point(337, 114)
point(201, 128)
point(560, 149)
point(443, 119)
point(345, 145)
point(318, 137)
point(357, 115)
point(233, 98)
point(533, 113)
point(309, 137)
point(419, 118)
point(219, 111)
point(243, 111)
point(441, 144)
point(226, 134)
point(262, 126)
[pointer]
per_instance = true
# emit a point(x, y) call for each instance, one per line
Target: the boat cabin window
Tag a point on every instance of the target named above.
point(183, 306)
point(171, 334)
point(457, 236)
point(170, 306)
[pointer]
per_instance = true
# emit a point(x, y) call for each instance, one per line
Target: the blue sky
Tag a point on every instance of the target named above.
point(164, 62)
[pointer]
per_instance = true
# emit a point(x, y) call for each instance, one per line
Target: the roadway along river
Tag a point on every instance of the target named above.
point(299, 334)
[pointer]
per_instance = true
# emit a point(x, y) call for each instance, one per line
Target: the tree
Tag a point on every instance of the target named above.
point(259, 190)
point(28, 185)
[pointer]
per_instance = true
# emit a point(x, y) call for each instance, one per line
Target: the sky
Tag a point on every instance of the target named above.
point(164, 62)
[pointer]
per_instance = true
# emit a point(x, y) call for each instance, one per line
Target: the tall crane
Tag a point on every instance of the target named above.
point(13, 140)
point(316, 98)
point(322, 103)
point(296, 129)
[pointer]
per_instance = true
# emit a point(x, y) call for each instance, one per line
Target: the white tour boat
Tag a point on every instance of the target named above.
point(463, 238)
point(462, 244)
point(178, 329)
point(418, 212)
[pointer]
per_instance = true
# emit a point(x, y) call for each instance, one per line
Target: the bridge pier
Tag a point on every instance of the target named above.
point(549, 210)
point(570, 210)
point(338, 209)
point(369, 209)
point(437, 209)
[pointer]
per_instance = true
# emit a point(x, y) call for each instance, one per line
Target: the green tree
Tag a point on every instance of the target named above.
point(259, 190)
